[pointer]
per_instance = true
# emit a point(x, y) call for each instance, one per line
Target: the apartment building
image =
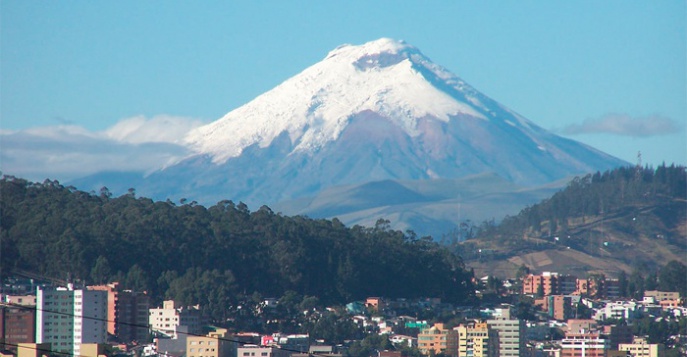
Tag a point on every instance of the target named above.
point(584, 344)
point(17, 325)
point(544, 284)
point(511, 336)
point(627, 310)
point(600, 287)
point(549, 283)
point(432, 338)
point(67, 318)
point(127, 312)
point(662, 295)
point(166, 319)
point(558, 307)
point(641, 348)
point(474, 339)
point(215, 344)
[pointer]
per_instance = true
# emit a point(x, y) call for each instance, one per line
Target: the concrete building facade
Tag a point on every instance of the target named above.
point(215, 344)
point(662, 295)
point(584, 344)
point(433, 338)
point(543, 284)
point(641, 348)
point(256, 351)
point(127, 312)
point(512, 336)
point(67, 318)
point(166, 319)
point(34, 350)
point(17, 325)
point(473, 340)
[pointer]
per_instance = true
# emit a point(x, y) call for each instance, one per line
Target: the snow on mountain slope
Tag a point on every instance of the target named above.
point(379, 112)
point(315, 106)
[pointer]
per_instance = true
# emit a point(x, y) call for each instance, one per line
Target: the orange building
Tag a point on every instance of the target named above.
point(548, 283)
point(558, 307)
point(433, 338)
point(375, 303)
point(127, 312)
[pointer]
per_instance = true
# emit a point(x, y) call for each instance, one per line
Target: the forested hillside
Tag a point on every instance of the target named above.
point(211, 255)
point(617, 220)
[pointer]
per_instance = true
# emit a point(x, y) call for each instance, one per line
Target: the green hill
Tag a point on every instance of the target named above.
point(619, 220)
point(213, 255)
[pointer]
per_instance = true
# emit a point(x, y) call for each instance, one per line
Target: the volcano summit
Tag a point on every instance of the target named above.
point(381, 111)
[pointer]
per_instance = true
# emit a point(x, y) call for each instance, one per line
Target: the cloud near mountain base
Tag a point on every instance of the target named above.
point(625, 125)
point(66, 152)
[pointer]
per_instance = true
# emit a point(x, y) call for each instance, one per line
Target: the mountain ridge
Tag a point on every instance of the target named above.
point(373, 112)
point(606, 222)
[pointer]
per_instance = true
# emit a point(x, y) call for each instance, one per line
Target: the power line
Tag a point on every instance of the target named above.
point(47, 350)
point(35, 308)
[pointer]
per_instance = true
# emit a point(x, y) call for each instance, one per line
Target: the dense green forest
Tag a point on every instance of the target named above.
point(212, 256)
point(596, 195)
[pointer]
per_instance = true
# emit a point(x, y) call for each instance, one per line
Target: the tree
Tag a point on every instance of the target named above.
point(101, 270)
point(369, 346)
point(105, 193)
point(673, 277)
point(623, 284)
point(136, 278)
point(260, 252)
point(334, 329)
point(525, 309)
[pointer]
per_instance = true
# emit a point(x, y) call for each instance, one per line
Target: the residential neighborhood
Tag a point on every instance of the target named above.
point(539, 315)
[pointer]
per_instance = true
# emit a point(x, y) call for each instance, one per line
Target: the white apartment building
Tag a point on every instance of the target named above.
point(584, 344)
point(67, 318)
point(627, 310)
point(166, 319)
point(512, 335)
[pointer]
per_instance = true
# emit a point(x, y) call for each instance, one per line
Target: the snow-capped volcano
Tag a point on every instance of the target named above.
point(384, 110)
point(363, 130)
point(388, 77)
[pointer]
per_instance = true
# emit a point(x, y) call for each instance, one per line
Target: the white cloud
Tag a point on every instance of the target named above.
point(66, 152)
point(159, 129)
point(625, 125)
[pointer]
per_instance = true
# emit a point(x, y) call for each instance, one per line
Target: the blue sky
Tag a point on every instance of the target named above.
point(610, 74)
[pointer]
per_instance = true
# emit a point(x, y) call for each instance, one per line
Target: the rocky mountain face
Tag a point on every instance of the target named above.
point(379, 112)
